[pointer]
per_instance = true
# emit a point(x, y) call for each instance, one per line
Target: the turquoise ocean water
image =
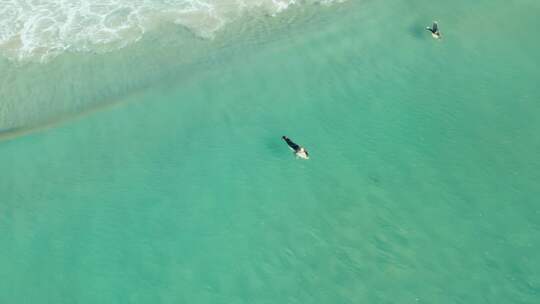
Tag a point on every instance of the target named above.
point(155, 172)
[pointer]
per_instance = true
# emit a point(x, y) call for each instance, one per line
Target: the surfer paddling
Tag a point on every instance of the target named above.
point(434, 29)
point(298, 151)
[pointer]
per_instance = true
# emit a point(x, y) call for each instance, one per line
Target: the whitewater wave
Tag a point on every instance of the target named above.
point(42, 29)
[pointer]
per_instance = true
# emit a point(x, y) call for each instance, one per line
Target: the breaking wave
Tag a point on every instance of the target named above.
point(41, 29)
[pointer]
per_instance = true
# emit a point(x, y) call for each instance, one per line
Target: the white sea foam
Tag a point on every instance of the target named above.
point(45, 28)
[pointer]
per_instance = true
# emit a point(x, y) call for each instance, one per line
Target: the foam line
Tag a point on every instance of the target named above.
point(44, 29)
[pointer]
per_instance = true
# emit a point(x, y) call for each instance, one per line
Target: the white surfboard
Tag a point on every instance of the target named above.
point(302, 154)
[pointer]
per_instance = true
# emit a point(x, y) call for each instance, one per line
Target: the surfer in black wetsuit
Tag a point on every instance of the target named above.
point(434, 29)
point(299, 151)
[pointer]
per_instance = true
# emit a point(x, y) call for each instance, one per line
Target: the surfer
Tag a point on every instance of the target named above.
point(434, 29)
point(299, 151)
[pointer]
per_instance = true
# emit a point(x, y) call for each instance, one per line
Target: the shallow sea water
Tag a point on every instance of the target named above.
point(156, 173)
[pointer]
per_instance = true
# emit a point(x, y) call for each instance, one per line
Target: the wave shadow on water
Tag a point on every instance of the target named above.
point(13, 133)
